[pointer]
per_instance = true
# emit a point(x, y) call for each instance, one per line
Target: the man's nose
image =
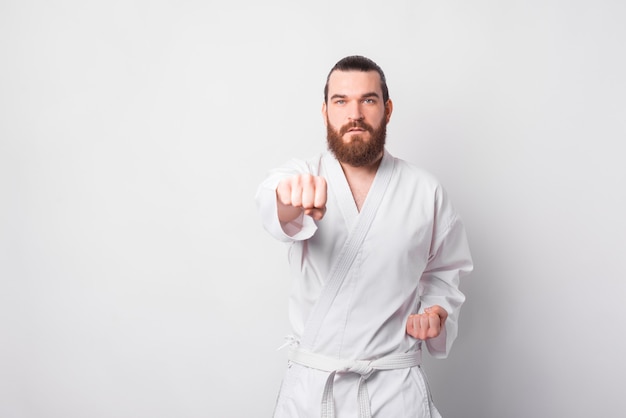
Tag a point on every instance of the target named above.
point(354, 112)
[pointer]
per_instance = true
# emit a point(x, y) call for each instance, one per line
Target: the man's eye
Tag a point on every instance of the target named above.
point(368, 101)
point(340, 102)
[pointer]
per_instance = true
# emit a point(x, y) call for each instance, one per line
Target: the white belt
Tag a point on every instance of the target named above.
point(365, 368)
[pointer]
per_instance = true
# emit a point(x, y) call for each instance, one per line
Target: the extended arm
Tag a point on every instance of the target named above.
point(302, 192)
point(288, 194)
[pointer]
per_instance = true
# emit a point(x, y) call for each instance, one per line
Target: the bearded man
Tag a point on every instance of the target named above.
point(376, 251)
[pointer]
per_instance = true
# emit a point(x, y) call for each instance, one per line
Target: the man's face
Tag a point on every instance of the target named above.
point(356, 117)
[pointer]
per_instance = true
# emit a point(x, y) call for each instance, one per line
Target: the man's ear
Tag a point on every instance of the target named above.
point(325, 113)
point(388, 110)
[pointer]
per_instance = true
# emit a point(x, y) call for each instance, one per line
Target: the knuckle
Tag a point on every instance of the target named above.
point(306, 178)
point(285, 200)
point(283, 193)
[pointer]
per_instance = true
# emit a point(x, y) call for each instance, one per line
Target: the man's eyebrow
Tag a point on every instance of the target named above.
point(364, 96)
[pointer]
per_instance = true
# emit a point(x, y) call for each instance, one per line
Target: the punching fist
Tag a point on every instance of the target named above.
point(303, 192)
point(428, 324)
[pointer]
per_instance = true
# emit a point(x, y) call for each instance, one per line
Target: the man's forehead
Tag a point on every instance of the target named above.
point(354, 80)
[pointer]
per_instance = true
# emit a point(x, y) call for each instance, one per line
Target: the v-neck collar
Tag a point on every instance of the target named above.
point(341, 188)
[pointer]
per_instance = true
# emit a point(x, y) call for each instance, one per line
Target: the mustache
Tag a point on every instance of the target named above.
point(356, 124)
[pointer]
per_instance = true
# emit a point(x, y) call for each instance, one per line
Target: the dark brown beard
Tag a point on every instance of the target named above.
point(357, 152)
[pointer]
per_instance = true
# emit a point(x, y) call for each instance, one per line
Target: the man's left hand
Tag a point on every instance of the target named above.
point(428, 324)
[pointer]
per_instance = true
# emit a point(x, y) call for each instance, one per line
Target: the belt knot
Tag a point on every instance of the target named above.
point(362, 367)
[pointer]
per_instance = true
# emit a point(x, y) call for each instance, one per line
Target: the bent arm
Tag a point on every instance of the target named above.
point(449, 261)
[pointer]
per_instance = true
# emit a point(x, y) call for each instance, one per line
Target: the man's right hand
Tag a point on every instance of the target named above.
point(303, 192)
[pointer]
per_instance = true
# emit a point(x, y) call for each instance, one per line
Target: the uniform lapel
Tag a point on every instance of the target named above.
point(338, 186)
point(358, 231)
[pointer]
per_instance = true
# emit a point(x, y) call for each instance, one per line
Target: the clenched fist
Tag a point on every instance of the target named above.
point(428, 324)
point(303, 192)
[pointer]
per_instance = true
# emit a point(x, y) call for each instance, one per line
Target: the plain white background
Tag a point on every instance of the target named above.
point(135, 278)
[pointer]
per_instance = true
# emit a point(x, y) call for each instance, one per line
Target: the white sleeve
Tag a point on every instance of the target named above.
point(300, 228)
point(449, 260)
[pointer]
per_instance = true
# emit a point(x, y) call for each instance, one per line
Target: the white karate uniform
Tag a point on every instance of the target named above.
point(412, 257)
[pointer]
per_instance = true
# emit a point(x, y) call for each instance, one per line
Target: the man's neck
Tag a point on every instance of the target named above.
point(360, 179)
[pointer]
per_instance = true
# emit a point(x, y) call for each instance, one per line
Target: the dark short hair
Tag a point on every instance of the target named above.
point(358, 63)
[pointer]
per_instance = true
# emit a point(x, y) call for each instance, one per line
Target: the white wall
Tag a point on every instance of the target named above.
point(135, 278)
